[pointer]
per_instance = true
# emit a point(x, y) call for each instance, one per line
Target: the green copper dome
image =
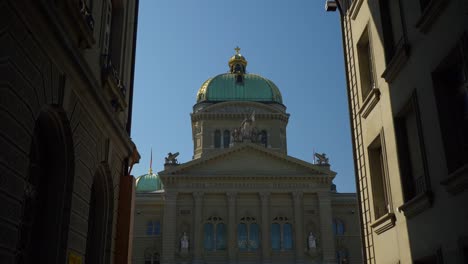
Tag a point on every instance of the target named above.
point(237, 85)
point(148, 183)
point(226, 87)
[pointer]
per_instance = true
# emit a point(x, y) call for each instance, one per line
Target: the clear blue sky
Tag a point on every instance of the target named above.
point(294, 43)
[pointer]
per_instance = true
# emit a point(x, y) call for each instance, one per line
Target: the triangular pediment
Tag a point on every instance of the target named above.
point(248, 160)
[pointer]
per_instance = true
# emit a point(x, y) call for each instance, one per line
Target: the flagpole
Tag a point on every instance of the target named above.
point(151, 162)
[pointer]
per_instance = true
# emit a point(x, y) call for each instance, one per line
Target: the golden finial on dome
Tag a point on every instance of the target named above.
point(237, 63)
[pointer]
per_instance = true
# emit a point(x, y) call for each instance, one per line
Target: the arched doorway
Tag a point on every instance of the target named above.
point(43, 229)
point(98, 244)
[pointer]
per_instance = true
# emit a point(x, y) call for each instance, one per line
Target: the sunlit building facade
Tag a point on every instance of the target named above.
point(407, 73)
point(242, 199)
point(66, 83)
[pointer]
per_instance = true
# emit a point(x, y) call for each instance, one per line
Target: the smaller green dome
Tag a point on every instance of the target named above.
point(148, 183)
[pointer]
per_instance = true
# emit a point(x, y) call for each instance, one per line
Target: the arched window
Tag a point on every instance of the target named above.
point(281, 234)
point(264, 138)
point(254, 236)
point(342, 256)
point(338, 227)
point(220, 236)
point(151, 257)
point(276, 236)
point(226, 138)
point(248, 234)
point(217, 139)
point(287, 236)
point(209, 237)
point(214, 234)
point(242, 236)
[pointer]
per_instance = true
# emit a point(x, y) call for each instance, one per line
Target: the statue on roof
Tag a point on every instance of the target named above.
point(321, 159)
point(171, 159)
point(247, 127)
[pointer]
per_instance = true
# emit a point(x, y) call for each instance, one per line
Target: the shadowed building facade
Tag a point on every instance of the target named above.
point(66, 83)
point(407, 73)
point(242, 199)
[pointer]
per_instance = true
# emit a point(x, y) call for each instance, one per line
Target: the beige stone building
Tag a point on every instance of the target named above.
point(66, 83)
point(407, 73)
point(242, 199)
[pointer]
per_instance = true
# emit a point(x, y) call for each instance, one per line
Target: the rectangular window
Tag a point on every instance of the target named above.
point(392, 27)
point(377, 165)
point(410, 152)
point(450, 82)
point(365, 64)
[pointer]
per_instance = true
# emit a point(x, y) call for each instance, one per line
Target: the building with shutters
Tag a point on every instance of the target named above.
point(242, 199)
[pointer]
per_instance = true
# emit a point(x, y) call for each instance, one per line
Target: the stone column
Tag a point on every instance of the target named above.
point(169, 228)
point(198, 228)
point(327, 239)
point(231, 225)
point(265, 243)
point(299, 226)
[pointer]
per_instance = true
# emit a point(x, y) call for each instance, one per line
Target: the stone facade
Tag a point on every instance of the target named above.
point(406, 66)
point(65, 122)
point(242, 199)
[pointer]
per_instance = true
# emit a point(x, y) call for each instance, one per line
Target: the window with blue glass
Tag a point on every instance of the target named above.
point(217, 139)
point(149, 228)
point(220, 236)
point(287, 236)
point(264, 138)
point(157, 228)
point(342, 255)
point(242, 236)
point(214, 234)
point(276, 236)
point(248, 234)
point(153, 228)
point(338, 227)
point(208, 237)
point(226, 138)
point(281, 234)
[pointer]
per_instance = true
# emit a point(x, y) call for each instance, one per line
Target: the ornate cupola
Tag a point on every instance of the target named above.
point(237, 65)
point(237, 107)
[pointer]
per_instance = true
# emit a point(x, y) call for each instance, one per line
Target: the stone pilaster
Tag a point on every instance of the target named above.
point(327, 242)
point(299, 226)
point(265, 243)
point(231, 200)
point(198, 228)
point(169, 231)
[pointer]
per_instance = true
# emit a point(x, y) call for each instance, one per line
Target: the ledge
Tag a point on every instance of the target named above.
point(115, 91)
point(371, 100)
point(457, 181)
point(417, 205)
point(396, 63)
point(354, 10)
point(83, 20)
point(430, 14)
point(384, 223)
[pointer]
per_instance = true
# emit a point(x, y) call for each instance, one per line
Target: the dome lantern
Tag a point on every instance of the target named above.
point(237, 63)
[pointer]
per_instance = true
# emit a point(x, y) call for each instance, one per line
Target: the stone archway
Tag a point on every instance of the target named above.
point(43, 229)
point(99, 239)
